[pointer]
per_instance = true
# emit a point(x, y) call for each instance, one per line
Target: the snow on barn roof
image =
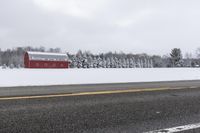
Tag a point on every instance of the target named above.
point(47, 56)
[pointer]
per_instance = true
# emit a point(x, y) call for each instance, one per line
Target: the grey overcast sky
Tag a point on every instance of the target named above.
point(137, 26)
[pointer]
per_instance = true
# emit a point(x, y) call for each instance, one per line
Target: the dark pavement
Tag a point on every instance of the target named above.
point(57, 89)
point(126, 112)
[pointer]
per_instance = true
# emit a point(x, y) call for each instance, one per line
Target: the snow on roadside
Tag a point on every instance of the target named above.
point(36, 77)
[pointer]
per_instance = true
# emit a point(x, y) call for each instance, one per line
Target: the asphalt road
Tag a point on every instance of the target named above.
point(121, 112)
point(57, 89)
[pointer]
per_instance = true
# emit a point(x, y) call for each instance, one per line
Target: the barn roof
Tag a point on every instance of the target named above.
point(47, 56)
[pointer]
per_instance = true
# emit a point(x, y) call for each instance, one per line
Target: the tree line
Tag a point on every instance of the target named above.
point(14, 58)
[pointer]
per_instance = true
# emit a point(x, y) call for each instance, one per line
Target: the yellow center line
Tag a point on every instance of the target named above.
point(88, 93)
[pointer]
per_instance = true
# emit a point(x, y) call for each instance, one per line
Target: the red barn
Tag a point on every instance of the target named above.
point(45, 60)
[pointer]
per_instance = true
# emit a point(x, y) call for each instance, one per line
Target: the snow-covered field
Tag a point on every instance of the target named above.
point(35, 77)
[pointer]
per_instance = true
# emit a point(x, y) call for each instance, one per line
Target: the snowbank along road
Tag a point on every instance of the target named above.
point(38, 77)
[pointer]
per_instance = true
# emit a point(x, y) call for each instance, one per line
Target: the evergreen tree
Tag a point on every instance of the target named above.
point(176, 57)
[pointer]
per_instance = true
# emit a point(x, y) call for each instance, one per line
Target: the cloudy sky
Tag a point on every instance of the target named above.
point(137, 26)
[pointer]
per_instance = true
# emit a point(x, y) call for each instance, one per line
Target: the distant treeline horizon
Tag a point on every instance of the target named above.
point(14, 58)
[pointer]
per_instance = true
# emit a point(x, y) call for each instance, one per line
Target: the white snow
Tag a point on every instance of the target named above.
point(46, 56)
point(36, 77)
point(46, 53)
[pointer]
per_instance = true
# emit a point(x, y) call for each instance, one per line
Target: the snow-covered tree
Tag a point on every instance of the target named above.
point(108, 63)
point(176, 57)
